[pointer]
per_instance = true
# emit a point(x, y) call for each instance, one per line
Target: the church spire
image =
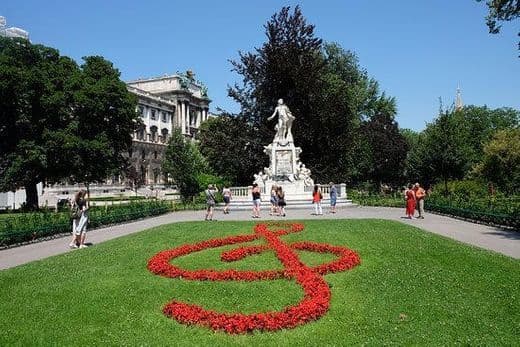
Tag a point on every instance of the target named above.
point(458, 100)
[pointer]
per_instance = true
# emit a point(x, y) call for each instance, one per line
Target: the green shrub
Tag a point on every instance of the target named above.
point(466, 201)
point(25, 227)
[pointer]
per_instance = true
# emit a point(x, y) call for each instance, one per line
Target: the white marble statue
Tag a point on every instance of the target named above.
point(304, 174)
point(284, 125)
point(260, 178)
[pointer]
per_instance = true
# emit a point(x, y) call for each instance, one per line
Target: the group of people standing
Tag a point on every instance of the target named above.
point(79, 216)
point(414, 196)
point(278, 202)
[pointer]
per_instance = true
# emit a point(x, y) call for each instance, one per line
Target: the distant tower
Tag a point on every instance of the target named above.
point(458, 101)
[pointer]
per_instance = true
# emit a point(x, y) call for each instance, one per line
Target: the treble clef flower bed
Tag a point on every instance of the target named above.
point(314, 304)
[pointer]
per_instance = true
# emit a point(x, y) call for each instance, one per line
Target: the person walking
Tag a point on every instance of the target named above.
point(281, 201)
point(256, 195)
point(210, 202)
point(273, 200)
point(226, 194)
point(419, 196)
point(79, 220)
point(317, 196)
point(333, 197)
point(409, 196)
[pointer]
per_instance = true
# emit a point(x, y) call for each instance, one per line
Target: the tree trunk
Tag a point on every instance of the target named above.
point(31, 196)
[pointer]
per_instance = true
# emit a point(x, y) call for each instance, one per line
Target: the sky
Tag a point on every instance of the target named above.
point(419, 51)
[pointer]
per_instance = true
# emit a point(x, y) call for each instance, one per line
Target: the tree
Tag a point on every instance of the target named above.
point(445, 151)
point(501, 11)
point(184, 163)
point(229, 144)
point(388, 148)
point(477, 124)
point(414, 168)
point(501, 160)
point(35, 96)
point(288, 66)
point(58, 121)
point(323, 85)
point(104, 118)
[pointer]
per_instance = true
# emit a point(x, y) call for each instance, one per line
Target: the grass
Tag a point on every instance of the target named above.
point(412, 288)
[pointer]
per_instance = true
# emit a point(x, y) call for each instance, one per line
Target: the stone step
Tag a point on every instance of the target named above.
point(291, 204)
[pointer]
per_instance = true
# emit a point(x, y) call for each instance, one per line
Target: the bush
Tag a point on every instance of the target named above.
point(468, 200)
point(25, 227)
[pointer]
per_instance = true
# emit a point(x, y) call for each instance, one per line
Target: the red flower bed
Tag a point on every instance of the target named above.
point(314, 304)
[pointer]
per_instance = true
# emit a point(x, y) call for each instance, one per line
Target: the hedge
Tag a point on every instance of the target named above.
point(26, 227)
point(502, 212)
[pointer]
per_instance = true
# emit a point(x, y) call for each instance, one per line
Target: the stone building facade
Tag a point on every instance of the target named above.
point(164, 103)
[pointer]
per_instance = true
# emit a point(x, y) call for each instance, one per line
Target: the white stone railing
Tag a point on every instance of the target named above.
point(240, 191)
point(244, 192)
point(325, 189)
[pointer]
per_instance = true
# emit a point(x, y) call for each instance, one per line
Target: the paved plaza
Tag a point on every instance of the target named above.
point(495, 239)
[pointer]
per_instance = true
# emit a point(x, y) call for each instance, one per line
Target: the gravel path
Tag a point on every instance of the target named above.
point(495, 239)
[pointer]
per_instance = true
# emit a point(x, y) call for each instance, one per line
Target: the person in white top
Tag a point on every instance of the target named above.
point(226, 194)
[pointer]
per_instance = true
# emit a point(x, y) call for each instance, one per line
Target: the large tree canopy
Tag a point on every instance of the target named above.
point(104, 119)
point(501, 160)
point(323, 85)
point(387, 146)
point(59, 121)
point(229, 146)
point(35, 96)
point(184, 164)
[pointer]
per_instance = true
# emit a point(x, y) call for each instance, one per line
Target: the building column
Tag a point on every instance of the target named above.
point(187, 130)
point(199, 118)
point(183, 118)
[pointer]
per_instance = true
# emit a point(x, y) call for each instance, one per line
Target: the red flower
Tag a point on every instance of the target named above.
point(314, 304)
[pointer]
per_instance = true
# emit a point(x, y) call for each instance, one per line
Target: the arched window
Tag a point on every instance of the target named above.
point(164, 133)
point(143, 154)
point(141, 133)
point(153, 131)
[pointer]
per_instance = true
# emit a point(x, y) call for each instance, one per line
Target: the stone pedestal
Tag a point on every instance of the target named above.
point(285, 170)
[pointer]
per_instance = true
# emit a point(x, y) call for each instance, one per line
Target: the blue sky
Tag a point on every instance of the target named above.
point(417, 50)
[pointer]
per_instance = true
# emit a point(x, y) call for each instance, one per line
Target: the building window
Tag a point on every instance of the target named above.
point(165, 117)
point(155, 154)
point(193, 117)
point(141, 133)
point(153, 131)
point(164, 133)
point(143, 155)
point(141, 111)
point(152, 115)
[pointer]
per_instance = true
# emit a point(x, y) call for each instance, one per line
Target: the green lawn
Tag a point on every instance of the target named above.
point(412, 288)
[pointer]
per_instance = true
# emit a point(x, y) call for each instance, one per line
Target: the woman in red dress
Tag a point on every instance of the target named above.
point(409, 195)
